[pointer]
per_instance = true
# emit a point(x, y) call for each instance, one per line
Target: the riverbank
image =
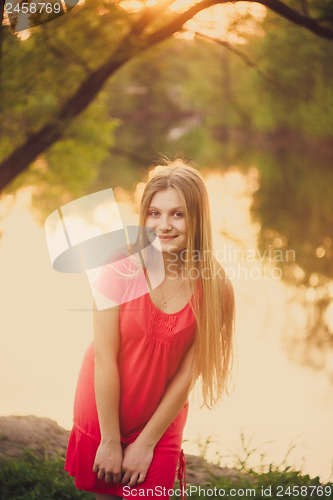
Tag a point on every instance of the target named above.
point(32, 451)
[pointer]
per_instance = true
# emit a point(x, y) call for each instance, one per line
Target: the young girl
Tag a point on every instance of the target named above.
point(149, 349)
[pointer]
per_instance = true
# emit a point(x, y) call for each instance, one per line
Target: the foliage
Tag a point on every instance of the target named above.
point(71, 165)
point(181, 83)
point(267, 102)
point(276, 484)
point(302, 100)
point(33, 478)
point(184, 86)
point(39, 75)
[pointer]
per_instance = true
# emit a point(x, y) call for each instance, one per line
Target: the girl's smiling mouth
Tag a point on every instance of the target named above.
point(167, 238)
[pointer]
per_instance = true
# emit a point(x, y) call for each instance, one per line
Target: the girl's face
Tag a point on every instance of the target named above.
point(166, 215)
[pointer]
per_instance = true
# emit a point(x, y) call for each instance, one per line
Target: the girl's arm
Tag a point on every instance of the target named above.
point(107, 389)
point(138, 455)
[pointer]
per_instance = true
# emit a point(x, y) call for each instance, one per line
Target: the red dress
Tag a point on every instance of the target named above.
point(152, 345)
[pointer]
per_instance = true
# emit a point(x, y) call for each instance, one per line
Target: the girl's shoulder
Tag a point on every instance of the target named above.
point(111, 281)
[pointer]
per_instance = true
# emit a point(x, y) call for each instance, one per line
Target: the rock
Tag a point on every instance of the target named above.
point(43, 435)
point(46, 438)
point(199, 471)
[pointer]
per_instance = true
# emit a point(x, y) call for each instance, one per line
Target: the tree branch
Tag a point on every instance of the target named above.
point(140, 160)
point(149, 14)
point(305, 7)
point(181, 19)
point(40, 141)
point(66, 55)
point(295, 17)
point(132, 44)
point(249, 63)
point(2, 8)
point(275, 5)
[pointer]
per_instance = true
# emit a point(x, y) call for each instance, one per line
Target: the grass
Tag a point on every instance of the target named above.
point(274, 482)
point(275, 485)
point(32, 478)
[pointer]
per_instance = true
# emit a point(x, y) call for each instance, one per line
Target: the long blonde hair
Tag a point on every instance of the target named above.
point(213, 358)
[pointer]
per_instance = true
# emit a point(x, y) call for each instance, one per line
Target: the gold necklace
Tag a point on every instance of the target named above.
point(166, 300)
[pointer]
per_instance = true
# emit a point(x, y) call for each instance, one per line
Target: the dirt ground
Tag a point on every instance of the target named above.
point(47, 438)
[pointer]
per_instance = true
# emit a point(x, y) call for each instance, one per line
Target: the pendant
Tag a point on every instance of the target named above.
point(164, 304)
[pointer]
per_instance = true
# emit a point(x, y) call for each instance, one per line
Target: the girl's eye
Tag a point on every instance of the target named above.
point(153, 213)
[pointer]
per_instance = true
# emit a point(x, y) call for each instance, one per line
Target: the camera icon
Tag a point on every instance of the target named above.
point(121, 262)
point(26, 14)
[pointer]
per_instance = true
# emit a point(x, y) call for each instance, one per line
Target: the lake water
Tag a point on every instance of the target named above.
point(46, 326)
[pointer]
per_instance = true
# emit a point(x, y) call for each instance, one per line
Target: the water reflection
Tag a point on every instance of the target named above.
point(284, 401)
point(294, 207)
point(308, 340)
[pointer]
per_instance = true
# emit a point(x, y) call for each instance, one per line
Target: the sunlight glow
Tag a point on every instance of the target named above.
point(230, 199)
point(51, 323)
point(185, 35)
point(139, 191)
point(320, 252)
point(24, 35)
point(310, 294)
point(329, 317)
point(226, 21)
point(132, 5)
point(218, 21)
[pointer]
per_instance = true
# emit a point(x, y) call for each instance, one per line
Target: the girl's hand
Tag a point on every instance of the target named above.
point(137, 459)
point(108, 461)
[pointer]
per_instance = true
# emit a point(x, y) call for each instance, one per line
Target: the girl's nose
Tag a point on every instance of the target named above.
point(165, 224)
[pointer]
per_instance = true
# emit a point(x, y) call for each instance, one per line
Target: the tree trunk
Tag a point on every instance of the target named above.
point(2, 8)
point(132, 45)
